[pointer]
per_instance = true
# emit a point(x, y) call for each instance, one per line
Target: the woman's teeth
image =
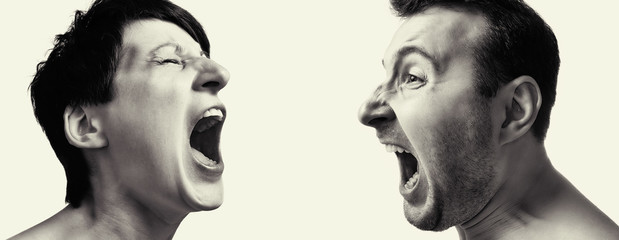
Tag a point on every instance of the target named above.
point(211, 117)
point(213, 112)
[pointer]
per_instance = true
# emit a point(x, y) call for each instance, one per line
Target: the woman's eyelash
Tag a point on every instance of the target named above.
point(166, 61)
point(181, 62)
point(170, 60)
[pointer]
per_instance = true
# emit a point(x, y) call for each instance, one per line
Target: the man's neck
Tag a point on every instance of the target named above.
point(534, 201)
point(529, 188)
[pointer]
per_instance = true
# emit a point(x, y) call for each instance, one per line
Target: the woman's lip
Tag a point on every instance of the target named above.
point(210, 168)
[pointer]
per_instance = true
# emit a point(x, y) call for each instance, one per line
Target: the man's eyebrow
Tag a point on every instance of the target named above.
point(402, 52)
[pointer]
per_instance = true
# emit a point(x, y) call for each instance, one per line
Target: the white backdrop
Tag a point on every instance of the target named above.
point(298, 163)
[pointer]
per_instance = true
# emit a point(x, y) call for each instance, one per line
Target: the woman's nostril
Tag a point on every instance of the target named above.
point(211, 84)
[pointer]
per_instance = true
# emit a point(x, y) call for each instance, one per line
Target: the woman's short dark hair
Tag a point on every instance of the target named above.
point(80, 70)
point(517, 42)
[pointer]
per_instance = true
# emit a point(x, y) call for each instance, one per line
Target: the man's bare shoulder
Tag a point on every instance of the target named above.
point(586, 223)
point(565, 227)
point(558, 211)
point(575, 229)
point(575, 217)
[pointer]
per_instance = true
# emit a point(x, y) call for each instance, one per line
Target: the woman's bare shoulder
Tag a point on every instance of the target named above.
point(63, 225)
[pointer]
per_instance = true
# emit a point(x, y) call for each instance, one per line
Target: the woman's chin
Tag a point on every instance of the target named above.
point(204, 196)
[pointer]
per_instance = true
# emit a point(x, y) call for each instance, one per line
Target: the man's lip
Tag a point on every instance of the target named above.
point(394, 143)
point(410, 195)
point(417, 194)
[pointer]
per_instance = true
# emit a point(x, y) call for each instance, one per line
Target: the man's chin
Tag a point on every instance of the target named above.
point(427, 218)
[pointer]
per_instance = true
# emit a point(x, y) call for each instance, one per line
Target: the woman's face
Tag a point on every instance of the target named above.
point(164, 122)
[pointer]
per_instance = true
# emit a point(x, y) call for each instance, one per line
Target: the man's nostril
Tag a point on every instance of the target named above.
point(376, 121)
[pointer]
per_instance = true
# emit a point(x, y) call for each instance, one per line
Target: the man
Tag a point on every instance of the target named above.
point(128, 100)
point(465, 107)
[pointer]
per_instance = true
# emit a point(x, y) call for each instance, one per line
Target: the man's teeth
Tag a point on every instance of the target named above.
point(412, 181)
point(393, 148)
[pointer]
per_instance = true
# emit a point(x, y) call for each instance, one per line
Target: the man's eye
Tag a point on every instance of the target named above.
point(412, 81)
point(412, 78)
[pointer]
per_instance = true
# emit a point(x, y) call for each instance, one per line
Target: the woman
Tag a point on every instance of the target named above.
point(128, 100)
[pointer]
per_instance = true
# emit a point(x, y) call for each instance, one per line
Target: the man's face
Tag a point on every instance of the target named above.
point(165, 119)
point(430, 114)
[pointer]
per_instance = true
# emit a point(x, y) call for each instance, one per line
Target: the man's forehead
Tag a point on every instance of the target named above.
point(438, 30)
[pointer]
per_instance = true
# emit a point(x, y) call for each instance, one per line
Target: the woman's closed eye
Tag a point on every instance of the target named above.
point(169, 60)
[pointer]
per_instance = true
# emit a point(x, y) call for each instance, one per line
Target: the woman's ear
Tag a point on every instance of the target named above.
point(521, 99)
point(82, 130)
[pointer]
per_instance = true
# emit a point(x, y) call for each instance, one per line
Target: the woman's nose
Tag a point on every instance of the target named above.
point(211, 76)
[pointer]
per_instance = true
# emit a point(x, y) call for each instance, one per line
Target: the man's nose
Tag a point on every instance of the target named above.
point(375, 111)
point(211, 76)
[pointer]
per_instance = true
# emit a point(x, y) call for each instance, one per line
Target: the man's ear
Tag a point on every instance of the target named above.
point(82, 130)
point(521, 99)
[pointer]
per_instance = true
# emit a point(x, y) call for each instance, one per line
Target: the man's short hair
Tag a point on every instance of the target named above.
point(516, 42)
point(80, 70)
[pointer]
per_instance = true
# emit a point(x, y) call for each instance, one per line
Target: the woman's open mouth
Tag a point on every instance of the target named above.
point(204, 139)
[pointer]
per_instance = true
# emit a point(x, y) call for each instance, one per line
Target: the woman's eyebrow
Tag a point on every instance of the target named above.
point(178, 49)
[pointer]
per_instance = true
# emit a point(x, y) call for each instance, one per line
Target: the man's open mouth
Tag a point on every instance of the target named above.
point(408, 169)
point(408, 166)
point(205, 136)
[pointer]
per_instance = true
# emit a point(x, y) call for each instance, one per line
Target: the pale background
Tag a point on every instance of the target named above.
point(298, 163)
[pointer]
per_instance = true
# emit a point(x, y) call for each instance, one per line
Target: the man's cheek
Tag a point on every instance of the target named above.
point(417, 121)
